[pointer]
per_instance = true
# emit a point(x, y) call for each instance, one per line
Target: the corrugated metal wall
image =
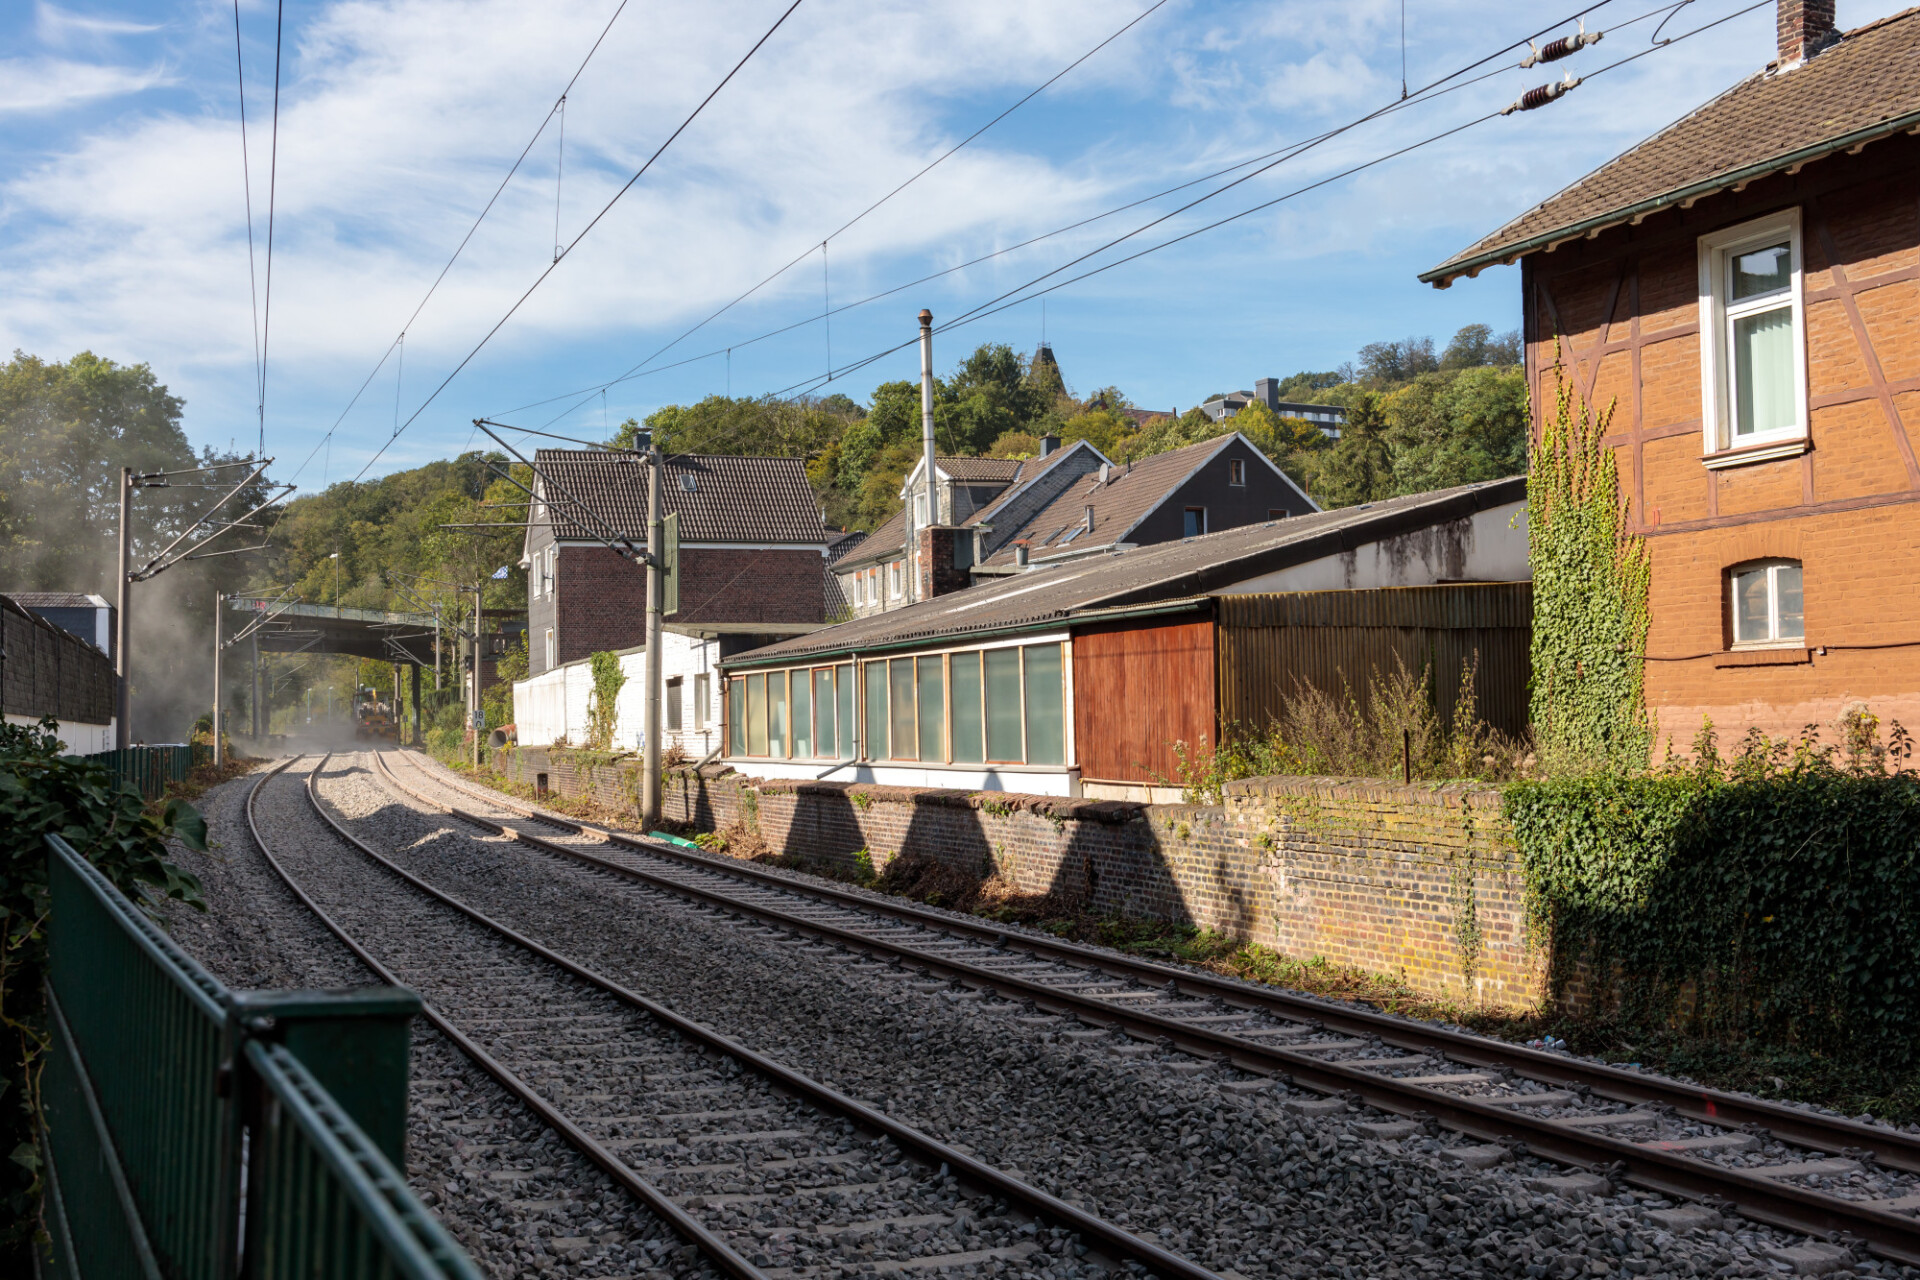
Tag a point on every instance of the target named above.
point(1139, 687)
point(1270, 645)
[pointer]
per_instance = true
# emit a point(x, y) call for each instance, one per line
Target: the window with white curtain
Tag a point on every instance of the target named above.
point(1753, 346)
point(1767, 603)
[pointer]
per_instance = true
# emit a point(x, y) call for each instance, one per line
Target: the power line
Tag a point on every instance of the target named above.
point(461, 247)
point(273, 185)
point(1266, 161)
point(605, 209)
point(246, 185)
point(922, 172)
point(1000, 303)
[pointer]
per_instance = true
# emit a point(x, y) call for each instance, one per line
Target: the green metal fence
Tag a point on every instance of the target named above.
point(152, 768)
point(158, 1079)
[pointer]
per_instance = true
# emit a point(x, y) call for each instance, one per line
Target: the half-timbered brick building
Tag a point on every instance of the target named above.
point(1743, 291)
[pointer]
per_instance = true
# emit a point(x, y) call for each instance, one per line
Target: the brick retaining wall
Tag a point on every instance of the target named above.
point(1419, 881)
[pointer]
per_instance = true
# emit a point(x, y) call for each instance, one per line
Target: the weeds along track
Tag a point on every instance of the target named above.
point(1819, 1175)
point(764, 1170)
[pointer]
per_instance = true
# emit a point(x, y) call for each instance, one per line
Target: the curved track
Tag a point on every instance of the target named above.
point(700, 1128)
point(1779, 1165)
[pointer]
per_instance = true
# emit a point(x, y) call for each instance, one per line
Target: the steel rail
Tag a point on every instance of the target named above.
point(1831, 1134)
point(689, 1228)
point(1750, 1194)
point(1107, 1237)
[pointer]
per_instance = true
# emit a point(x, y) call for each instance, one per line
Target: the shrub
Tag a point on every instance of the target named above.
point(108, 824)
point(1774, 894)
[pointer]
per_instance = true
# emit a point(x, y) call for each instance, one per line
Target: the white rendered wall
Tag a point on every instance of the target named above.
point(1488, 547)
point(79, 739)
point(553, 706)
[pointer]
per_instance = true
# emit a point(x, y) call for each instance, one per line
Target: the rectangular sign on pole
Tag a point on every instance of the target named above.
point(670, 553)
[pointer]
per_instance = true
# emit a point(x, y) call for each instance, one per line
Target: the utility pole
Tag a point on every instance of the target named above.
point(926, 445)
point(656, 585)
point(257, 721)
point(473, 691)
point(219, 604)
point(123, 694)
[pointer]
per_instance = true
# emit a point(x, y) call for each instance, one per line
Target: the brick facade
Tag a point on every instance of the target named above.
point(1420, 881)
point(1620, 316)
point(938, 566)
point(600, 598)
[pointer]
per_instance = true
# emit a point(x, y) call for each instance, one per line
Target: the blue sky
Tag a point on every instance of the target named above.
point(123, 222)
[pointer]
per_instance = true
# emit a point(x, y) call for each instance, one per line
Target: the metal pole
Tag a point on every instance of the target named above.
point(219, 603)
point(254, 720)
point(416, 704)
point(123, 693)
point(926, 445)
point(473, 686)
point(656, 584)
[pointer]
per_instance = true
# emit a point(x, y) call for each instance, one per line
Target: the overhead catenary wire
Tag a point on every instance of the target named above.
point(584, 232)
point(1426, 94)
point(246, 187)
point(273, 188)
point(1001, 303)
point(464, 240)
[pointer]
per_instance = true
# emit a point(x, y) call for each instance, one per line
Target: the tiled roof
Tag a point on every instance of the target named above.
point(1117, 505)
point(1865, 86)
point(1031, 469)
point(844, 545)
point(718, 498)
point(974, 470)
point(55, 600)
point(884, 543)
point(1166, 573)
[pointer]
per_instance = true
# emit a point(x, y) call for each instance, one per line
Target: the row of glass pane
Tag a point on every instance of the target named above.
point(1006, 706)
point(803, 714)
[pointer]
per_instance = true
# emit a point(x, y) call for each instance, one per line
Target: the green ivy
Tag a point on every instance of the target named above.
point(106, 822)
point(608, 679)
point(1749, 903)
point(1590, 609)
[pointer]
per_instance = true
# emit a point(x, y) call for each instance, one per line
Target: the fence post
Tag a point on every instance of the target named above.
point(356, 1043)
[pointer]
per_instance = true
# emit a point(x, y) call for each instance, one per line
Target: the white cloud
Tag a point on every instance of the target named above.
point(48, 84)
point(61, 27)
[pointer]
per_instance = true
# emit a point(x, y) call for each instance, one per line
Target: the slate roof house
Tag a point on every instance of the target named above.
point(1078, 675)
point(1744, 287)
point(999, 516)
point(753, 556)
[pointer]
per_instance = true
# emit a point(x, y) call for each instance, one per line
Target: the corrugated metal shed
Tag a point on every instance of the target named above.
point(1271, 646)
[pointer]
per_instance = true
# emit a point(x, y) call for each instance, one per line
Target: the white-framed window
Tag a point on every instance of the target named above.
point(1767, 603)
point(702, 696)
point(1236, 471)
point(552, 660)
point(674, 698)
point(1753, 351)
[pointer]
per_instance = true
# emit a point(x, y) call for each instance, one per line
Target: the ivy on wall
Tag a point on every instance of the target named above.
point(1778, 900)
point(1590, 612)
point(608, 680)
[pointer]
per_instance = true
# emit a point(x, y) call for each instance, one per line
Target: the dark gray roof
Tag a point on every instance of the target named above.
point(1865, 86)
point(56, 600)
point(718, 498)
point(1165, 575)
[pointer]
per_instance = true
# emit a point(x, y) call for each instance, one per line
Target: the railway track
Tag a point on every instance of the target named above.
point(1824, 1176)
point(767, 1172)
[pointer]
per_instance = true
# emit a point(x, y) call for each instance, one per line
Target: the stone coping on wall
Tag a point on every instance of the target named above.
point(1447, 795)
point(1058, 808)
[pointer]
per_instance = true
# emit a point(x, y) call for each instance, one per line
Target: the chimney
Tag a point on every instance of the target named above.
point(1048, 443)
point(1805, 28)
point(1020, 554)
point(1267, 392)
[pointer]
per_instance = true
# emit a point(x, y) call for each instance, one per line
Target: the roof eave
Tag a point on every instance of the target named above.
point(1446, 273)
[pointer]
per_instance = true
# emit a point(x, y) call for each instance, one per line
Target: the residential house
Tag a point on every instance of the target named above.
point(1080, 675)
point(752, 560)
point(1328, 417)
point(1073, 502)
point(88, 616)
point(1738, 291)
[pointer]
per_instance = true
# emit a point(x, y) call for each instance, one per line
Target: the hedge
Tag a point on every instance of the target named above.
point(1785, 906)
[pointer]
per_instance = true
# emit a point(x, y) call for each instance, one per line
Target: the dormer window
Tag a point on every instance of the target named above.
point(1753, 347)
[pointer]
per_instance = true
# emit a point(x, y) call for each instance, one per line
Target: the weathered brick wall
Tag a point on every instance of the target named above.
point(600, 599)
point(1619, 316)
point(1420, 882)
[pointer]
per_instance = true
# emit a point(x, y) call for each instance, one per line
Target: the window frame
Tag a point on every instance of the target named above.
point(1773, 640)
point(1201, 531)
point(1719, 415)
point(673, 694)
point(1237, 472)
point(702, 693)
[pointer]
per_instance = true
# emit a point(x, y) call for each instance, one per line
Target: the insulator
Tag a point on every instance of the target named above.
point(1542, 95)
point(1564, 47)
